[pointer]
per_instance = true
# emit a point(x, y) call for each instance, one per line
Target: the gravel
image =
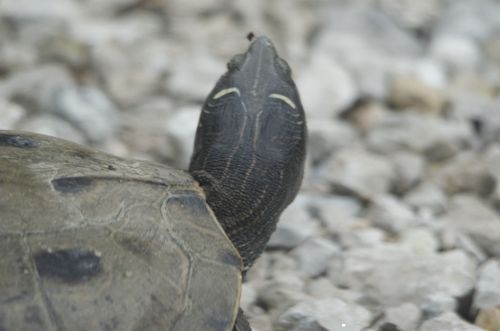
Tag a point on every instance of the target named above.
point(397, 225)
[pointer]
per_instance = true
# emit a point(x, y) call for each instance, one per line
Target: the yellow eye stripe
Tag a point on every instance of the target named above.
point(223, 92)
point(283, 98)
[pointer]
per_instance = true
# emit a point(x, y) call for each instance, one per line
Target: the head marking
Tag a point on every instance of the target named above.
point(225, 91)
point(283, 98)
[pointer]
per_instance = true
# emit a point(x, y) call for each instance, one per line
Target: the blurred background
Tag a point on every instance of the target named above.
point(397, 226)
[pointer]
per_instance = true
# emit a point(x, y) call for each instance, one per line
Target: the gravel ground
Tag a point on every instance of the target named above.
point(397, 226)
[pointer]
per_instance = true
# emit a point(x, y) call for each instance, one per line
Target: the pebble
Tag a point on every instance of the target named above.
point(487, 292)
point(359, 172)
point(448, 321)
point(324, 314)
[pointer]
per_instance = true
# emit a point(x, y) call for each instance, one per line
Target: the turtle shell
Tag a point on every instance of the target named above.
point(90, 241)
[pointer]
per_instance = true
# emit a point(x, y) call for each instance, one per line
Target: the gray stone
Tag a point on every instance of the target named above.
point(391, 274)
point(27, 10)
point(326, 87)
point(408, 92)
point(471, 216)
point(406, 316)
point(429, 135)
point(181, 128)
point(359, 173)
point(465, 173)
point(324, 314)
point(132, 78)
point(327, 136)
point(488, 319)
point(487, 293)
point(391, 214)
point(53, 126)
point(427, 196)
point(409, 169)
point(455, 51)
point(421, 240)
point(295, 225)
point(88, 109)
point(314, 254)
point(448, 321)
point(10, 114)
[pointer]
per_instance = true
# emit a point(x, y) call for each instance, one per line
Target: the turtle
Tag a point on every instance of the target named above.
point(92, 241)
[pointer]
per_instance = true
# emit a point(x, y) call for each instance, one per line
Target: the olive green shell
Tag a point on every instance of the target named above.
point(90, 241)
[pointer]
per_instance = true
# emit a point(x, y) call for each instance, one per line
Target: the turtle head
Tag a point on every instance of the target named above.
point(250, 146)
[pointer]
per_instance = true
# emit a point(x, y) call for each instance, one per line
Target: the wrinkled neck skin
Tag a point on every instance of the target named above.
point(250, 147)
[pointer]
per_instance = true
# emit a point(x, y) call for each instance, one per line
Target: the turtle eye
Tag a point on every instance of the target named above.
point(235, 62)
point(284, 66)
point(283, 98)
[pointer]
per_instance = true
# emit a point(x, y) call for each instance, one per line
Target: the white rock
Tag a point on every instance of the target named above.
point(406, 317)
point(409, 169)
point(326, 136)
point(314, 254)
point(427, 196)
point(391, 274)
point(10, 114)
point(326, 87)
point(448, 321)
point(391, 214)
point(181, 127)
point(359, 172)
point(88, 109)
point(471, 216)
point(53, 126)
point(325, 314)
point(295, 225)
point(456, 51)
point(487, 293)
point(430, 135)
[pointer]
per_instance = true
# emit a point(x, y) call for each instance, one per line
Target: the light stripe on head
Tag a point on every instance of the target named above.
point(283, 98)
point(225, 91)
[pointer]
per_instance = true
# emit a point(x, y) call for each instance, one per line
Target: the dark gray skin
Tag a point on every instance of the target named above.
point(250, 147)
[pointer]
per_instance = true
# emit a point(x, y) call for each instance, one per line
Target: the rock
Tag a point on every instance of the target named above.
point(407, 92)
point(413, 15)
point(11, 114)
point(391, 274)
point(434, 137)
point(324, 314)
point(326, 87)
point(132, 78)
point(328, 136)
point(487, 293)
point(52, 126)
point(362, 236)
point(455, 51)
point(314, 254)
point(404, 317)
point(448, 321)
point(492, 162)
point(336, 212)
point(409, 169)
point(427, 196)
point(295, 225)
point(390, 214)
point(248, 296)
point(36, 89)
point(421, 240)
point(279, 297)
point(32, 10)
point(193, 77)
point(359, 172)
point(364, 114)
point(181, 128)
point(471, 216)
point(367, 43)
point(465, 173)
point(88, 109)
point(489, 319)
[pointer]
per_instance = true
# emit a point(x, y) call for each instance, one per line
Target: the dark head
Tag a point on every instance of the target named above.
point(250, 146)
